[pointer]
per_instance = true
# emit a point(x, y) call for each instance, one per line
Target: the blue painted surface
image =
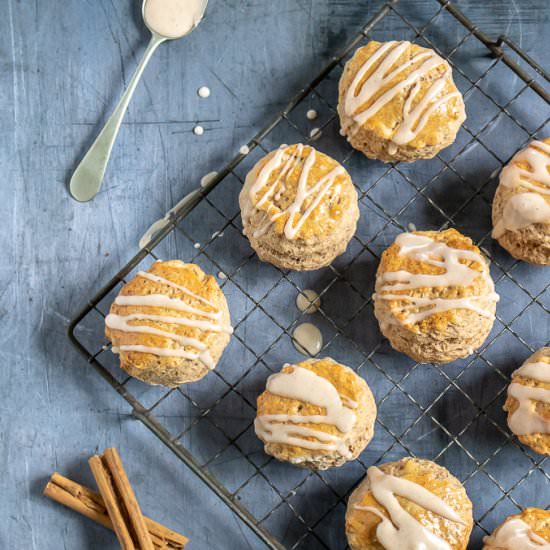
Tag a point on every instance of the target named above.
point(63, 65)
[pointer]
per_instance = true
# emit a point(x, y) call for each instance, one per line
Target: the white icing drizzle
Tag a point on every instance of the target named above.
point(401, 530)
point(414, 118)
point(515, 534)
point(524, 209)
point(308, 301)
point(304, 385)
point(209, 323)
point(307, 339)
point(525, 420)
point(456, 273)
point(287, 164)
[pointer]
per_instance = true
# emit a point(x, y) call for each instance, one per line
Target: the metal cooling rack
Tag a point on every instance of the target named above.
point(452, 414)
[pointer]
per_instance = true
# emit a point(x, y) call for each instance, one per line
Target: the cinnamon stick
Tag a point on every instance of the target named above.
point(128, 499)
point(116, 513)
point(90, 504)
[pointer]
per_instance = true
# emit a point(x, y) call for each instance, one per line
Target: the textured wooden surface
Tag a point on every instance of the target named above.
point(62, 67)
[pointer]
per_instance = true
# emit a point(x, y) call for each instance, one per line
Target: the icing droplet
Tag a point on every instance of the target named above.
point(315, 133)
point(308, 301)
point(208, 178)
point(311, 114)
point(307, 339)
point(198, 130)
point(244, 150)
point(222, 275)
point(204, 91)
point(197, 245)
point(411, 227)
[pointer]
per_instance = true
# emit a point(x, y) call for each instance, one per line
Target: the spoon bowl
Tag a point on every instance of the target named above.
point(167, 20)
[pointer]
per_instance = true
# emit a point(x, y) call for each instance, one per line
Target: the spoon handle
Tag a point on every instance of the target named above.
point(88, 176)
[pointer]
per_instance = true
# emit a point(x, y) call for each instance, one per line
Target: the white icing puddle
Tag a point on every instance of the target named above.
point(173, 18)
point(311, 114)
point(308, 301)
point(307, 339)
point(244, 150)
point(208, 178)
point(204, 92)
point(198, 130)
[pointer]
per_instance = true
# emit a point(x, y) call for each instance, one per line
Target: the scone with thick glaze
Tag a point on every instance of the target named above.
point(434, 299)
point(528, 402)
point(412, 503)
point(299, 208)
point(528, 530)
point(317, 414)
point(398, 102)
point(521, 207)
point(169, 324)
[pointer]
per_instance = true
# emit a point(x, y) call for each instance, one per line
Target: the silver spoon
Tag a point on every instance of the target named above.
point(88, 176)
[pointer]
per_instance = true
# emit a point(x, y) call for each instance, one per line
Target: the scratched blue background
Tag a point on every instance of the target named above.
point(62, 68)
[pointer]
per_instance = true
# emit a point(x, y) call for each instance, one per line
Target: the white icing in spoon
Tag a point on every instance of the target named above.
point(304, 385)
point(525, 420)
point(401, 531)
point(209, 323)
point(515, 534)
point(456, 273)
point(308, 301)
point(307, 339)
point(362, 91)
point(173, 18)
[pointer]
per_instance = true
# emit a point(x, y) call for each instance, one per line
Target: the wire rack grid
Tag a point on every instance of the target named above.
point(452, 413)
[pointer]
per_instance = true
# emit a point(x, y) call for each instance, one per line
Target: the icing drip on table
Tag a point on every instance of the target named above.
point(304, 385)
point(308, 196)
point(456, 273)
point(525, 420)
point(366, 91)
point(515, 534)
point(401, 530)
point(307, 339)
point(524, 209)
point(308, 301)
point(210, 322)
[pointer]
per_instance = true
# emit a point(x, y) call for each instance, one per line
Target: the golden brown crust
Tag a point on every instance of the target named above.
point(539, 442)
point(537, 519)
point(349, 385)
point(444, 336)
point(373, 137)
point(326, 230)
point(169, 371)
point(361, 524)
point(529, 244)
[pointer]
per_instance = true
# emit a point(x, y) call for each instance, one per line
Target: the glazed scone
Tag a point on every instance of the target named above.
point(398, 102)
point(435, 299)
point(528, 530)
point(169, 324)
point(299, 208)
point(412, 503)
point(528, 402)
point(317, 414)
point(521, 207)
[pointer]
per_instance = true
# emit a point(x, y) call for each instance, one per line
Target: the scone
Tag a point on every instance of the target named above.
point(411, 503)
point(435, 299)
point(299, 208)
point(317, 414)
point(526, 531)
point(528, 402)
point(170, 324)
point(398, 102)
point(521, 207)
